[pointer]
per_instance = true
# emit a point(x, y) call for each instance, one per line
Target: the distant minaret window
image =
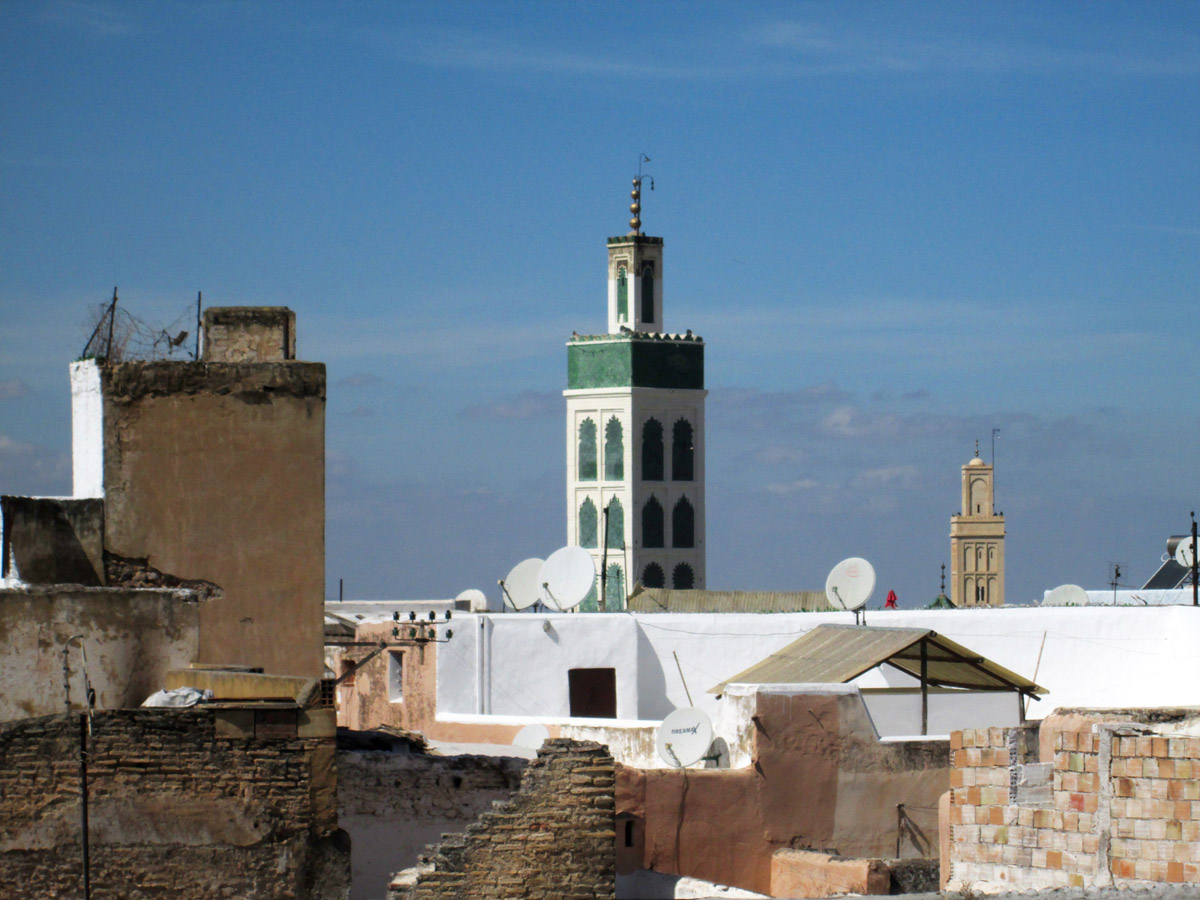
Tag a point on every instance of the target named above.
point(652, 451)
point(653, 523)
point(614, 451)
point(647, 293)
point(622, 295)
point(614, 589)
point(616, 525)
point(587, 450)
point(587, 523)
point(682, 451)
point(683, 578)
point(683, 524)
point(653, 576)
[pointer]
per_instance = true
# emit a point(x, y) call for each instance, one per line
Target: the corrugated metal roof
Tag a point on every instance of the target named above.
point(835, 654)
point(667, 600)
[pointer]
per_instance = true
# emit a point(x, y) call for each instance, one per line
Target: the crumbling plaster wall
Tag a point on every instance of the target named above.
point(819, 779)
point(132, 637)
point(182, 803)
point(393, 804)
point(53, 540)
point(216, 471)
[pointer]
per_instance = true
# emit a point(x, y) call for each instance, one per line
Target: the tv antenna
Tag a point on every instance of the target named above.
point(850, 585)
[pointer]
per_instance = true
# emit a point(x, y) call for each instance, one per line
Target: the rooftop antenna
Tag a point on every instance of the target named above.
point(995, 431)
point(636, 206)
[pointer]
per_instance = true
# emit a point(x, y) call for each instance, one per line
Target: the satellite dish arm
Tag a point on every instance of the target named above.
point(507, 595)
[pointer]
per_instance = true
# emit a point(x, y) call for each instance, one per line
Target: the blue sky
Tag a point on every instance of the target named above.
point(897, 226)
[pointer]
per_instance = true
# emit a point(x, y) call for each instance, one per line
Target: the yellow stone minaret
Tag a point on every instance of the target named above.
point(977, 540)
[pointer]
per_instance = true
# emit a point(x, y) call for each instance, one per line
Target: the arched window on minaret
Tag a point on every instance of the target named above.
point(616, 525)
point(653, 576)
point(614, 589)
point(683, 451)
point(587, 450)
point(653, 524)
point(588, 523)
point(683, 578)
point(647, 293)
point(652, 450)
point(614, 451)
point(683, 524)
point(622, 295)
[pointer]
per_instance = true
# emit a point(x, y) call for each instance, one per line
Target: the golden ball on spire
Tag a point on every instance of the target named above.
point(635, 208)
point(635, 223)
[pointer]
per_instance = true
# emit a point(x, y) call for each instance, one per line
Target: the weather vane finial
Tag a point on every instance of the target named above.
point(977, 448)
point(636, 206)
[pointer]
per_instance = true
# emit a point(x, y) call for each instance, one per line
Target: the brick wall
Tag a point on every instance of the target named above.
point(392, 804)
point(554, 838)
point(175, 809)
point(1114, 805)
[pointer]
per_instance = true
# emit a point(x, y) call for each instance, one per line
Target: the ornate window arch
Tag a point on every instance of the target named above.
point(652, 450)
point(683, 451)
point(586, 462)
point(647, 293)
point(614, 589)
point(653, 576)
point(614, 451)
point(616, 525)
point(653, 524)
point(683, 578)
point(588, 519)
point(622, 295)
point(683, 524)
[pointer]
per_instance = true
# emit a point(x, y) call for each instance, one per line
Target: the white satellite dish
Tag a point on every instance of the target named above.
point(1185, 552)
point(521, 587)
point(850, 584)
point(475, 600)
point(566, 578)
point(531, 736)
point(1066, 595)
point(684, 737)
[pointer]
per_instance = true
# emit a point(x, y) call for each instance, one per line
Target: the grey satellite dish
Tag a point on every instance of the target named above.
point(531, 736)
point(684, 737)
point(1185, 553)
point(1066, 595)
point(850, 583)
point(521, 586)
point(566, 578)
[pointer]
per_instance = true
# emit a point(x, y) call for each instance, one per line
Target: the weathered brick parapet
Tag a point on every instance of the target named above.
point(554, 838)
point(1116, 805)
point(181, 802)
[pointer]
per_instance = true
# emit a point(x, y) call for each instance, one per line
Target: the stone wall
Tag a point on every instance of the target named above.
point(1119, 804)
point(182, 803)
point(249, 334)
point(392, 804)
point(53, 540)
point(132, 638)
point(554, 838)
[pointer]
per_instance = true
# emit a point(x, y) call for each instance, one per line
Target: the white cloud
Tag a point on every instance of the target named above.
point(902, 476)
point(784, 489)
point(12, 388)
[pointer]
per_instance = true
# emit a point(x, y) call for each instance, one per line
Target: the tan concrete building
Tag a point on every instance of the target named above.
point(215, 470)
point(977, 540)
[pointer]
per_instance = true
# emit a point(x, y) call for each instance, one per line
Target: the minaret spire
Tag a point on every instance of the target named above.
point(636, 195)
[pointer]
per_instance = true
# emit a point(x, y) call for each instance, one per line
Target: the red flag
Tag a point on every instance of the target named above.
point(891, 600)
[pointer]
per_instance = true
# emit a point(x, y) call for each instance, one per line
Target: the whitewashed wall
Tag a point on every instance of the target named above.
point(1092, 657)
point(87, 430)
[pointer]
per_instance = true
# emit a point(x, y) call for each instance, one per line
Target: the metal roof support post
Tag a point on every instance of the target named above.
point(924, 686)
point(1021, 707)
